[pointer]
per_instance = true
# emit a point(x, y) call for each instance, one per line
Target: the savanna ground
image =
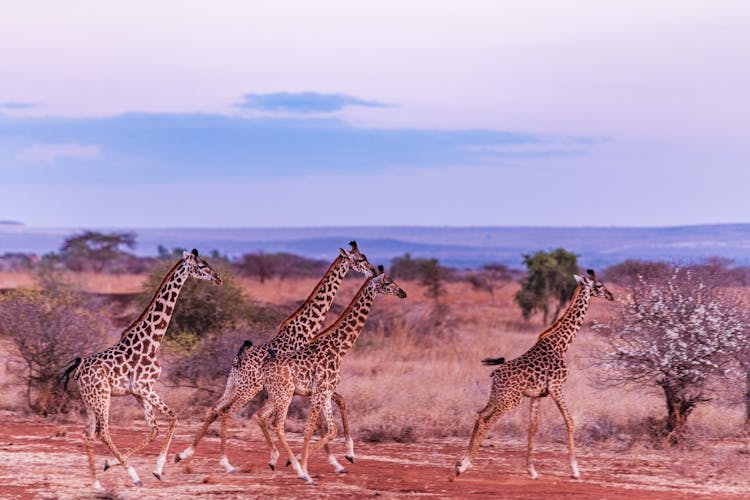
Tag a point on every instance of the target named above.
point(412, 383)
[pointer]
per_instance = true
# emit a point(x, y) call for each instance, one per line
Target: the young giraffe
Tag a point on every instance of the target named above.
point(315, 371)
point(539, 372)
point(245, 379)
point(130, 367)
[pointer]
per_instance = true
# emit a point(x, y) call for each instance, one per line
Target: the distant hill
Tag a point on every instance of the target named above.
point(597, 247)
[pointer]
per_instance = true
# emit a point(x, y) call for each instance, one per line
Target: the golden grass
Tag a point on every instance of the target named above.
point(406, 379)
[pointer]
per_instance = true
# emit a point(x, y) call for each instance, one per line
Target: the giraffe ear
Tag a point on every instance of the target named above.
point(343, 252)
point(578, 278)
point(186, 254)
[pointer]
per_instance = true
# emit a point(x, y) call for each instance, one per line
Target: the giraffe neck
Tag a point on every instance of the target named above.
point(340, 336)
point(304, 323)
point(561, 334)
point(148, 330)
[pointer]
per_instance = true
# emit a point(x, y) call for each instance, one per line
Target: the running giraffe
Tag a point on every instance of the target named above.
point(537, 373)
point(245, 379)
point(315, 371)
point(130, 368)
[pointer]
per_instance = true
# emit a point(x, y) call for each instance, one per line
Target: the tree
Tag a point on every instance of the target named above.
point(95, 250)
point(49, 329)
point(549, 279)
point(677, 334)
point(264, 266)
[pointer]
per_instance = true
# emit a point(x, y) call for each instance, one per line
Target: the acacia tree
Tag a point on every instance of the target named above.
point(548, 281)
point(95, 249)
point(676, 333)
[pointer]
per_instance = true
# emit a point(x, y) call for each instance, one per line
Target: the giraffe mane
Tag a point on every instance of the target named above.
point(552, 329)
point(344, 313)
point(153, 299)
point(312, 294)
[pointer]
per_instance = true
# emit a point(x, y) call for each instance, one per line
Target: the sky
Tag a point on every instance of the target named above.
point(339, 113)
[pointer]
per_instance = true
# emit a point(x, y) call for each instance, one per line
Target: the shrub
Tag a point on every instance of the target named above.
point(49, 330)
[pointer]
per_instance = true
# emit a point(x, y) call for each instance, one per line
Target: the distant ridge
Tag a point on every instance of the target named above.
point(596, 247)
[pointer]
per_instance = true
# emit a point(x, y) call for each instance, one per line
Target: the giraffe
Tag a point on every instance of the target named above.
point(130, 367)
point(245, 378)
point(537, 373)
point(315, 371)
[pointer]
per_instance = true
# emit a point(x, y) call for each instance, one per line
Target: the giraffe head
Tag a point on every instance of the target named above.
point(357, 260)
point(592, 283)
point(385, 285)
point(199, 268)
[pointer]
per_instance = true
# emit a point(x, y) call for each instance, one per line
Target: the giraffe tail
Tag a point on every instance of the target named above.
point(493, 361)
point(244, 346)
point(68, 371)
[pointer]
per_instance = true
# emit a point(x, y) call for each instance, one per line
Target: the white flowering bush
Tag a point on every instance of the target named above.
point(677, 334)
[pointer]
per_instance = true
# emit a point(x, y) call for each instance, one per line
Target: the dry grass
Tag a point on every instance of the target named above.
point(408, 379)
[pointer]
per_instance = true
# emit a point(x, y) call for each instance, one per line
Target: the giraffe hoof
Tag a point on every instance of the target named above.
point(157, 476)
point(138, 483)
point(342, 470)
point(177, 458)
point(272, 466)
point(106, 465)
point(288, 463)
point(350, 458)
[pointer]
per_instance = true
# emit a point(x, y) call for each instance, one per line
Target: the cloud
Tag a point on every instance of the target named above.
point(164, 147)
point(304, 102)
point(51, 153)
point(15, 106)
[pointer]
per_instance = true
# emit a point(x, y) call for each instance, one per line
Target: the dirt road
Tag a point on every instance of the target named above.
point(41, 460)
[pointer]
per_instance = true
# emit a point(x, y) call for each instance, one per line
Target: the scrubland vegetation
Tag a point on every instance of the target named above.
point(415, 372)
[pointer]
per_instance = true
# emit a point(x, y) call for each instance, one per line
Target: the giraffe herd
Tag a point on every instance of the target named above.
point(300, 359)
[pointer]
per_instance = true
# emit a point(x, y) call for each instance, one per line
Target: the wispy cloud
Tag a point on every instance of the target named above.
point(165, 147)
point(304, 102)
point(52, 153)
point(15, 106)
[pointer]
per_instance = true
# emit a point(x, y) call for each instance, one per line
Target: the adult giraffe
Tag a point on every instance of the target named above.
point(537, 373)
point(315, 371)
point(130, 368)
point(245, 378)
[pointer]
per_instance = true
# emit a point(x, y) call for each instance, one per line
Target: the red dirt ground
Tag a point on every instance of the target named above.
point(42, 460)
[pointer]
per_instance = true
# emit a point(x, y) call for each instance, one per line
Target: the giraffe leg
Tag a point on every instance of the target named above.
point(279, 419)
point(153, 431)
point(102, 420)
point(339, 400)
point(154, 400)
point(89, 433)
point(226, 414)
point(533, 422)
point(559, 399)
point(327, 437)
point(224, 401)
point(316, 405)
point(262, 418)
point(485, 419)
